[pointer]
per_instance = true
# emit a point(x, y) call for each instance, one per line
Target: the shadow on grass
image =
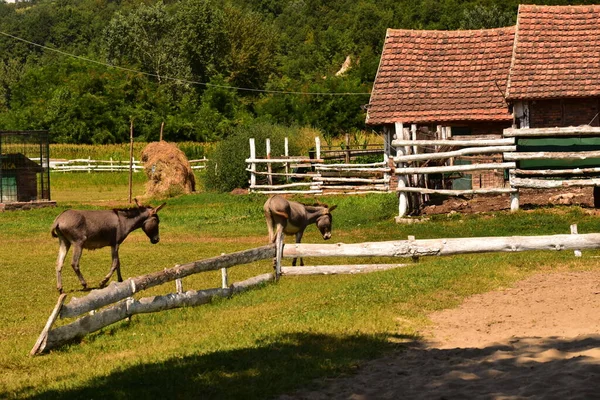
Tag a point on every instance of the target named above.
point(268, 370)
point(521, 368)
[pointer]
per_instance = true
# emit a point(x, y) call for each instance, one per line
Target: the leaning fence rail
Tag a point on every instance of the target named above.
point(119, 303)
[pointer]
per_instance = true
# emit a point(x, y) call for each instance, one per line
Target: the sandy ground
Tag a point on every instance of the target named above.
point(537, 340)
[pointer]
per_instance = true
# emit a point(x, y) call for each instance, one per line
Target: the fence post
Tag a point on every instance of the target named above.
point(318, 147)
point(224, 280)
point(287, 154)
point(89, 164)
point(269, 166)
point(279, 255)
point(347, 148)
point(577, 253)
point(252, 164)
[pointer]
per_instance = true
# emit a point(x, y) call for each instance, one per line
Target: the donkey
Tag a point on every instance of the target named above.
point(292, 218)
point(85, 229)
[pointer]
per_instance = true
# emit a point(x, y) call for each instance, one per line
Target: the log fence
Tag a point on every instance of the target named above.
point(314, 175)
point(116, 302)
point(417, 160)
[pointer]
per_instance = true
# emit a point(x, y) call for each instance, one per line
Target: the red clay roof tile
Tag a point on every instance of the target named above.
point(434, 76)
point(557, 53)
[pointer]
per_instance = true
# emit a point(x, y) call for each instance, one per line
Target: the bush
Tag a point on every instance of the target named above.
point(226, 168)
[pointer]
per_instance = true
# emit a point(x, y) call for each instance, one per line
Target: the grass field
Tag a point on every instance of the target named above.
point(258, 344)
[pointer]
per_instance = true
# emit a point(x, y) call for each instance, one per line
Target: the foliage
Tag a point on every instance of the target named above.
point(205, 67)
point(226, 168)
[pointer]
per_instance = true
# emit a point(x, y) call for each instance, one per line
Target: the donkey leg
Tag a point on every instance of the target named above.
point(116, 266)
point(63, 249)
point(298, 240)
point(277, 234)
point(77, 250)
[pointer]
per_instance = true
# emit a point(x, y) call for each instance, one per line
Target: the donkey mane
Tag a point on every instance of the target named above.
point(130, 212)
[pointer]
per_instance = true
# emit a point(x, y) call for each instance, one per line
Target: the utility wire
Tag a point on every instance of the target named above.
point(178, 79)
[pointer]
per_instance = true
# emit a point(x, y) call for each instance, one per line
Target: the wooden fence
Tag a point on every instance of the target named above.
point(89, 165)
point(314, 174)
point(419, 160)
point(119, 303)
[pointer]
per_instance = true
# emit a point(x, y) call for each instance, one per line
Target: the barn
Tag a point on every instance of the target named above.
point(24, 170)
point(540, 77)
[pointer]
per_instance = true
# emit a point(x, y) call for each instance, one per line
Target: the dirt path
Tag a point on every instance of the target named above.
point(537, 340)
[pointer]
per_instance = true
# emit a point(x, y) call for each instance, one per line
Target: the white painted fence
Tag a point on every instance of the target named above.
point(89, 165)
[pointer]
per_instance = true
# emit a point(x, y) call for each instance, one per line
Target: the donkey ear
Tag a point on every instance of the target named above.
point(332, 208)
point(136, 202)
point(159, 207)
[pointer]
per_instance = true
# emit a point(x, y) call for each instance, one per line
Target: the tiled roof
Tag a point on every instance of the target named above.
point(434, 76)
point(557, 52)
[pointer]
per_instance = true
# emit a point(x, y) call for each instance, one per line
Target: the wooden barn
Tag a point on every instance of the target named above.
point(517, 89)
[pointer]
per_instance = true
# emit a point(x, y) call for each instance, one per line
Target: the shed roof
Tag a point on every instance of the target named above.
point(429, 76)
point(557, 53)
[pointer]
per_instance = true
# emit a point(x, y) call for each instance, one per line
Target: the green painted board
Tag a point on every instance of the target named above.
point(558, 145)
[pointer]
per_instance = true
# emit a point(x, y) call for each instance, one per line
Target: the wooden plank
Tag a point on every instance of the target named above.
point(456, 153)
point(377, 164)
point(283, 160)
point(319, 191)
point(338, 269)
point(455, 143)
point(444, 247)
point(454, 168)
point(358, 180)
point(584, 130)
point(41, 343)
point(555, 172)
point(552, 183)
point(284, 186)
point(552, 155)
point(451, 192)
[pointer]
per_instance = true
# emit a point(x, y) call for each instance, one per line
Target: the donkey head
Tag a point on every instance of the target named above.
point(150, 225)
point(324, 222)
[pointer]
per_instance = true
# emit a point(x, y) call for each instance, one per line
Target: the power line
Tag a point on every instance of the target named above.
point(179, 80)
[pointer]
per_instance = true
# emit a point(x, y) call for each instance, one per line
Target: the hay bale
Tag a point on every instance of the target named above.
point(168, 170)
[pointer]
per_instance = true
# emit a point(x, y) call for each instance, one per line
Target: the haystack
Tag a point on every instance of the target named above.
point(168, 170)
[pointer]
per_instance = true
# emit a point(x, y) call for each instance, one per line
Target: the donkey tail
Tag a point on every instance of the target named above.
point(54, 229)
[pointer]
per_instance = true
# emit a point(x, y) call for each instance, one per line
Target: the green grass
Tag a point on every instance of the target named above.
point(258, 344)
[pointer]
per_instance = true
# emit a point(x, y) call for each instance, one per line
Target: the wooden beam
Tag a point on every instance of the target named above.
point(455, 143)
point(584, 130)
point(454, 168)
point(455, 153)
point(552, 155)
point(444, 247)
